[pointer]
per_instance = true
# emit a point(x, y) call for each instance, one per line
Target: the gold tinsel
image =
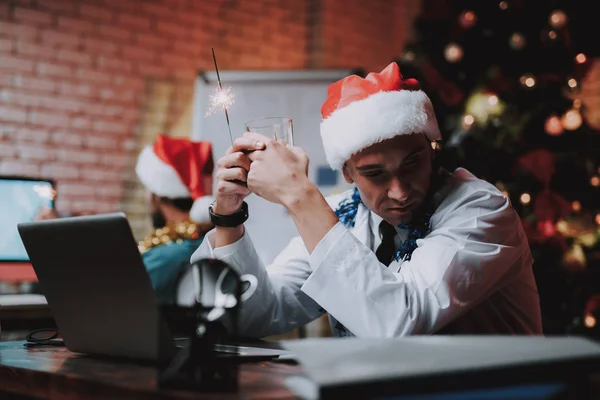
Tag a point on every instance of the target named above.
point(173, 232)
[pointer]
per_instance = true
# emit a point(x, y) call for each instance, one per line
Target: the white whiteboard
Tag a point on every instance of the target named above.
point(295, 94)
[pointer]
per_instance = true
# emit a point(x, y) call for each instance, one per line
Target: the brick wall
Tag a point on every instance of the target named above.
point(81, 81)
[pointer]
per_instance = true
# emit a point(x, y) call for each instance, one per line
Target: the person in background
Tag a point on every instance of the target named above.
point(412, 249)
point(177, 175)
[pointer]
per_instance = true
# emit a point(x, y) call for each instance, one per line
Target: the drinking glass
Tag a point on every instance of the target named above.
point(279, 128)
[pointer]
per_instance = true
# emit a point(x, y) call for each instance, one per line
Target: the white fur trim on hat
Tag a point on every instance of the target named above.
point(159, 177)
point(199, 212)
point(379, 117)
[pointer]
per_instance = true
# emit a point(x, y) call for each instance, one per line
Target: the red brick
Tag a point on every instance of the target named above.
point(22, 168)
point(131, 6)
point(75, 57)
point(116, 160)
point(13, 114)
point(96, 13)
point(93, 76)
point(63, 138)
point(78, 156)
point(120, 95)
point(114, 191)
point(100, 45)
point(63, 104)
point(172, 29)
point(157, 9)
point(20, 98)
point(30, 151)
point(4, 11)
point(28, 15)
point(153, 40)
point(14, 63)
point(33, 135)
point(31, 49)
point(114, 32)
point(7, 150)
point(53, 38)
point(75, 25)
point(6, 45)
point(49, 119)
point(138, 53)
point(81, 123)
point(96, 174)
point(115, 64)
point(100, 142)
point(152, 70)
point(58, 5)
point(18, 30)
point(77, 189)
point(50, 69)
point(131, 145)
point(77, 89)
point(60, 171)
point(112, 127)
point(190, 48)
point(133, 21)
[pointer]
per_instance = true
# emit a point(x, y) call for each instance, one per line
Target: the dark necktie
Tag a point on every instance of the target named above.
point(386, 250)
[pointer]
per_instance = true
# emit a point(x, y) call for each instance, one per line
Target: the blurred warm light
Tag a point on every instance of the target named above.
point(553, 126)
point(493, 100)
point(505, 192)
point(468, 120)
point(517, 41)
point(558, 19)
point(595, 181)
point(467, 19)
point(453, 52)
point(527, 80)
point(572, 120)
point(576, 206)
point(503, 5)
point(525, 198)
point(572, 83)
point(598, 218)
point(590, 321)
point(580, 58)
point(552, 35)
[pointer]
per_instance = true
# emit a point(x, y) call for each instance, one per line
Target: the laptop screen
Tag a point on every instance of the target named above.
point(20, 201)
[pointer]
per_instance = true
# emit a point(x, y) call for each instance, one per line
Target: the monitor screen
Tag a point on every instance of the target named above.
point(20, 201)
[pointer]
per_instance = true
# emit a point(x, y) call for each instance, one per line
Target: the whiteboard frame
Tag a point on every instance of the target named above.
point(209, 78)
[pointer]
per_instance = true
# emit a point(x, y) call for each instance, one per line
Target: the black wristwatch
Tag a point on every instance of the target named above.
point(229, 221)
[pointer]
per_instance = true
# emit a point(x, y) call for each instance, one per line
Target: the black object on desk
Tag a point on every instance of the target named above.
point(196, 365)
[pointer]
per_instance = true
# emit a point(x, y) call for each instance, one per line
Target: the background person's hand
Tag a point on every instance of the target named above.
point(45, 213)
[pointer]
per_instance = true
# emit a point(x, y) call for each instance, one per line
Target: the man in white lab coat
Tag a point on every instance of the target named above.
point(412, 250)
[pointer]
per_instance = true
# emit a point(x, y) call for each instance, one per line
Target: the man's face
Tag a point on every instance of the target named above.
point(393, 176)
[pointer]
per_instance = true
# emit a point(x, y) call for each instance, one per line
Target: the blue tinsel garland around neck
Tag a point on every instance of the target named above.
point(417, 229)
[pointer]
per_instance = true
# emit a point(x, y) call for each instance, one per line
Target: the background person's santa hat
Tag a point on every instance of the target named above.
point(177, 168)
point(361, 112)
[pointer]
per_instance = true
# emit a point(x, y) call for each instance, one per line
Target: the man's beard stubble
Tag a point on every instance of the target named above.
point(158, 219)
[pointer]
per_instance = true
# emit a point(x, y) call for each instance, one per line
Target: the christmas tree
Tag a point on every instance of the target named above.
point(506, 79)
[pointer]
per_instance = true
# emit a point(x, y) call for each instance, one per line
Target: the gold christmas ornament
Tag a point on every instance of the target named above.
point(175, 232)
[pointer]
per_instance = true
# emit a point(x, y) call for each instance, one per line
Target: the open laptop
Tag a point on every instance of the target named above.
point(99, 292)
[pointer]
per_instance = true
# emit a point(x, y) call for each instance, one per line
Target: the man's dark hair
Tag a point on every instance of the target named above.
point(180, 203)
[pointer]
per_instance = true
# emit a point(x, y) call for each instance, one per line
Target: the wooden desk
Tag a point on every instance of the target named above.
point(54, 372)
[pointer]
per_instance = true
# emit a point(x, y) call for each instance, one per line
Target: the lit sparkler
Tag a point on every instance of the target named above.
point(222, 98)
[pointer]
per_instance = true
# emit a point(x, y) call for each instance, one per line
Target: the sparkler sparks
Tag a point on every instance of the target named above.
point(221, 99)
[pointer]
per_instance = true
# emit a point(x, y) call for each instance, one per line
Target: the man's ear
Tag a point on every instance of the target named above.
point(347, 175)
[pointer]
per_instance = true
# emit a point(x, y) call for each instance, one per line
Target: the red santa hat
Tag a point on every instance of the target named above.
point(176, 168)
point(361, 112)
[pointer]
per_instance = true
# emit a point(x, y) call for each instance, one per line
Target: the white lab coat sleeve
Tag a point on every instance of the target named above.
point(465, 257)
point(278, 304)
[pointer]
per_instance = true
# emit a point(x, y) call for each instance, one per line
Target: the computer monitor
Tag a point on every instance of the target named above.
point(20, 201)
